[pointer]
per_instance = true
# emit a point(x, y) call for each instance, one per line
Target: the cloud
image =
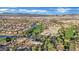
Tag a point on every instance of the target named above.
point(23, 10)
point(63, 10)
point(3, 9)
point(7, 10)
point(38, 10)
point(15, 10)
point(33, 11)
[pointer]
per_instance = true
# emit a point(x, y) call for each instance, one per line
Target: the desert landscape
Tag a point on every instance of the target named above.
point(39, 32)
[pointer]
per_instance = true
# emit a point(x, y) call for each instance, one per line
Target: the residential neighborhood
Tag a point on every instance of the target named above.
point(39, 32)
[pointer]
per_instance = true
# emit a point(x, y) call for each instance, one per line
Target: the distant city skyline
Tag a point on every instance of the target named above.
point(39, 10)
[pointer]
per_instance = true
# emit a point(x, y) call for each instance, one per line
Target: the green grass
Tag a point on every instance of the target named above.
point(69, 32)
point(34, 31)
point(6, 39)
point(2, 39)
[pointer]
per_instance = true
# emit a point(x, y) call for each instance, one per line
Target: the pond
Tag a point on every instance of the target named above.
point(4, 36)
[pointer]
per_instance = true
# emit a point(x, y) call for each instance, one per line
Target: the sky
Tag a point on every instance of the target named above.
point(39, 10)
point(42, 7)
